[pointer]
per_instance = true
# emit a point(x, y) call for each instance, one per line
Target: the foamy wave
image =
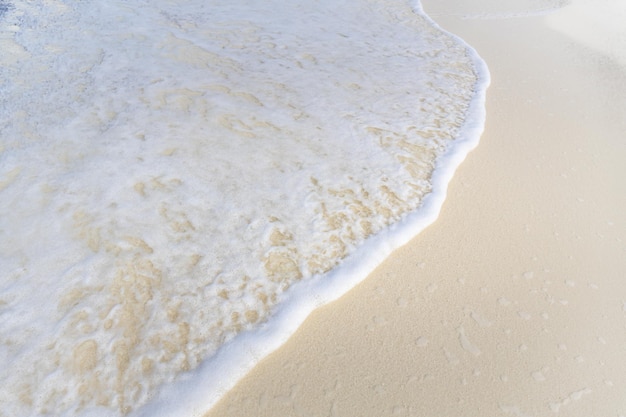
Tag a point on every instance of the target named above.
point(181, 184)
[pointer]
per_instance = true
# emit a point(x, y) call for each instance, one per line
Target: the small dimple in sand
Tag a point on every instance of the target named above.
point(466, 344)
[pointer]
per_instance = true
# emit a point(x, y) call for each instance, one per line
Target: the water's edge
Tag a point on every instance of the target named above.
point(196, 392)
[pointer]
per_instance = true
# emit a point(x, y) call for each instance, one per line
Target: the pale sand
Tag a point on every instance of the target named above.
point(514, 301)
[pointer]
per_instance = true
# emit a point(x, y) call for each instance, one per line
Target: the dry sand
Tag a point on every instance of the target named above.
point(514, 301)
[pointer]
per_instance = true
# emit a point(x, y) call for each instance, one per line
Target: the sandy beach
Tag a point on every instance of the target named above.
point(514, 301)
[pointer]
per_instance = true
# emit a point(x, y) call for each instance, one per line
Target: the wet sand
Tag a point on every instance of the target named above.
point(514, 301)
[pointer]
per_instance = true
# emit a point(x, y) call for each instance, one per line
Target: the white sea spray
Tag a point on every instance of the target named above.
point(169, 170)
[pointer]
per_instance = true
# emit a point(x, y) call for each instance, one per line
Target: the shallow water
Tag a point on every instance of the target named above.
point(170, 171)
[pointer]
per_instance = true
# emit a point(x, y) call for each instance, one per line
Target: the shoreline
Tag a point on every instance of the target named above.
point(239, 356)
point(509, 304)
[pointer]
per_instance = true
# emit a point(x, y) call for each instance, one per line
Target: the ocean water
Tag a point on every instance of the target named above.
point(182, 182)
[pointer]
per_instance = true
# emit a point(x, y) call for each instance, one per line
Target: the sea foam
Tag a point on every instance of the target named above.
point(183, 182)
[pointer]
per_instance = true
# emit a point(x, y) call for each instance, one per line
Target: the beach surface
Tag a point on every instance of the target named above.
point(514, 301)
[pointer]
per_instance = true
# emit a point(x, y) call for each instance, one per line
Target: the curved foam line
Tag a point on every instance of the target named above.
point(203, 387)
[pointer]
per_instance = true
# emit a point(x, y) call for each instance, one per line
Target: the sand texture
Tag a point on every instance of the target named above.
point(514, 302)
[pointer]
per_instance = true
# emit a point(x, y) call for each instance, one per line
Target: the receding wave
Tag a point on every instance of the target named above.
point(171, 170)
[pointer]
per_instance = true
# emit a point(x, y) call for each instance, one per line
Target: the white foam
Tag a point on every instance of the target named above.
point(184, 180)
point(204, 389)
